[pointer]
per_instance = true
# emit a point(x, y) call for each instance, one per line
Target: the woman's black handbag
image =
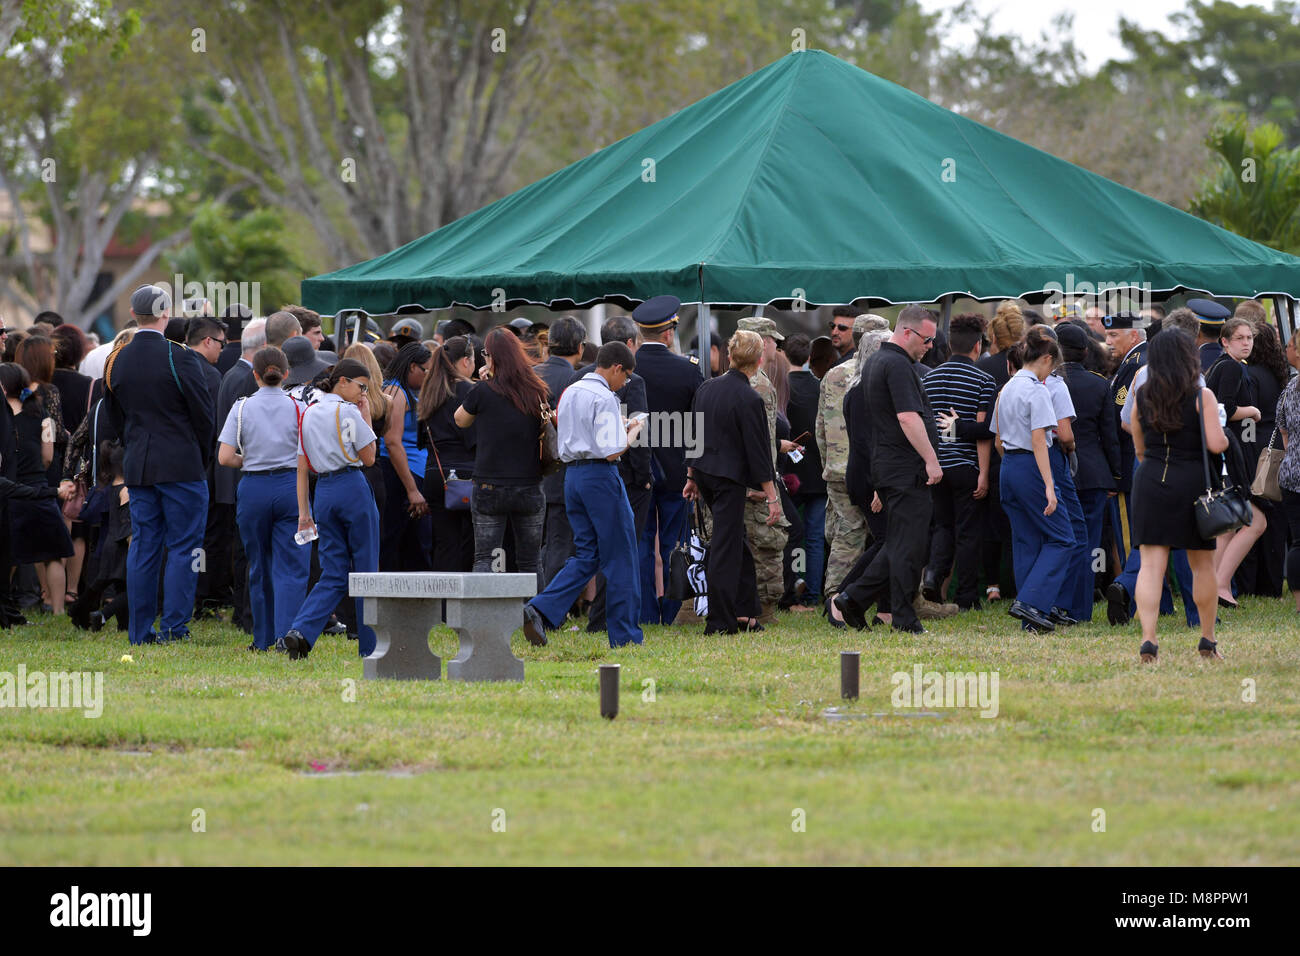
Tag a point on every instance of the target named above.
point(678, 587)
point(1222, 510)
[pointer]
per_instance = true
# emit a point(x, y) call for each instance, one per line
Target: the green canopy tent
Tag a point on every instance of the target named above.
point(809, 181)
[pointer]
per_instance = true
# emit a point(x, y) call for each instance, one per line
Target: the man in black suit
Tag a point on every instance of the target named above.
point(206, 337)
point(236, 317)
point(634, 467)
point(565, 351)
point(670, 382)
point(736, 456)
point(236, 384)
point(805, 391)
point(159, 401)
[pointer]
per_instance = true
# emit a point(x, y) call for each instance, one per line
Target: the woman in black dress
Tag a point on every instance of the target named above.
point(1170, 475)
point(1261, 572)
point(36, 531)
point(451, 451)
point(1230, 381)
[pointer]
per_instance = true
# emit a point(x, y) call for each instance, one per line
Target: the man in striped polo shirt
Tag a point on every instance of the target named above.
point(958, 387)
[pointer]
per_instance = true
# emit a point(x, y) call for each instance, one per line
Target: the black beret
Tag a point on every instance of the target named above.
point(1122, 320)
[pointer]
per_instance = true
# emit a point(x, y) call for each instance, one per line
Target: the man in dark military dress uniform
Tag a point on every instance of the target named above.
point(1211, 315)
point(670, 384)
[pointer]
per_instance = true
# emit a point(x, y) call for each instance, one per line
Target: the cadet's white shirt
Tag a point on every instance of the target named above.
point(590, 422)
point(332, 443)
point(1062, 403)
point(1024, 404)
point(270, 429)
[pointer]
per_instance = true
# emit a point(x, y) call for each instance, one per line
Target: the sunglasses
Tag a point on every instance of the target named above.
point(841, 328)
point(927, 339)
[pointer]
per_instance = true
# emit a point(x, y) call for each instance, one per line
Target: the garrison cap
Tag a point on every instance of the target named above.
point(1071, 336)
point(657, 314)
point(150, 300)
point(1122, 320)
point(1210, 314)
point(761, 326)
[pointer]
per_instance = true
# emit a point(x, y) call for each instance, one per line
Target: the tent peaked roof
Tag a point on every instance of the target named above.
point(810, 178)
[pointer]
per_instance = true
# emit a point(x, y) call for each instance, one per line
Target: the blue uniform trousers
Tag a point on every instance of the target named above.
point(1075, 596)
point(667, 519)
point(604, 539)
point(278, 567)
point(1042, 546)
point(1094, 502)
point(173, 516)
point(812, 508)
point(348, 523)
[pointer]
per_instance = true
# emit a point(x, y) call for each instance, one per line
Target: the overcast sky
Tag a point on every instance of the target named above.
point(1095, 21)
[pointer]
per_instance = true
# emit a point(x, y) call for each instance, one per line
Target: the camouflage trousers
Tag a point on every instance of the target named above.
point(846, 533)
point(768, 547)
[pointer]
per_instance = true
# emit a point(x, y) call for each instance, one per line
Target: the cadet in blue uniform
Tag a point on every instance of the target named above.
point(1042, 539)
point(1211, 316)
point(336, 442)
point(159, 402)
point(1074, 599)
point(260, 437)
point(1096, 443)
point(670, 384)
point(592, 438)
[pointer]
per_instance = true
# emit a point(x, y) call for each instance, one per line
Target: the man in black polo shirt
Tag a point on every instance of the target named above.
point(904, 463)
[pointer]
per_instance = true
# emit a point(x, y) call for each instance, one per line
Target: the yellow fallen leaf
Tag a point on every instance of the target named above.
point(126, 659)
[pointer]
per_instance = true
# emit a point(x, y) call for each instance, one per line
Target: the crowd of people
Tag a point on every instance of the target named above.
point(884, 476)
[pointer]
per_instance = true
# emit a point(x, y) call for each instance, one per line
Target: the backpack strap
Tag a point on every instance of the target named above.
point(301, 444)
point(239, 427)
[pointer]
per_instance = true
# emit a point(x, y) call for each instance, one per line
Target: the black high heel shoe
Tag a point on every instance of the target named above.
point(1148, 652)
point(1210, 649)
point(1231, 605)
point(826, 613)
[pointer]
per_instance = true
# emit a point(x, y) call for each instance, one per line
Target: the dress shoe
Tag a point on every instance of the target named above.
point(534, 626)
point(910, 628)
point(852, 614)
point(1061, 618)
point(1031, 616)
point(1117, 602)
point(930, 589)
point(295, 644)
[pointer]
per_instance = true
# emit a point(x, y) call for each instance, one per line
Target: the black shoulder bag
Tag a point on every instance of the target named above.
point(1222, 510)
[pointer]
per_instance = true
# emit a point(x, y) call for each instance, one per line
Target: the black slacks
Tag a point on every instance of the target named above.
point(958, 522)
point(900, 561)
point(729, 570)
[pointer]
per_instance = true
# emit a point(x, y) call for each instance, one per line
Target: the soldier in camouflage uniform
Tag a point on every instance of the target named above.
point(846, 526)
point(767, 542)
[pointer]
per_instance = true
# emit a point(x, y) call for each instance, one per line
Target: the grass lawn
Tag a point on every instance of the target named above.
point(713, 770)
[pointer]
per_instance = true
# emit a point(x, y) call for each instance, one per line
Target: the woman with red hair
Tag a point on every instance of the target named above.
point(509, 405)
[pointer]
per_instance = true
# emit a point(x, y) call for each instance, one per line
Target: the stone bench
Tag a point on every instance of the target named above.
point(483, 609)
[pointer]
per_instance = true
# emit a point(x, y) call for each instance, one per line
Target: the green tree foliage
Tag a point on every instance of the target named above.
point(253, 247)
point(1243, 56)
point(1255, 190)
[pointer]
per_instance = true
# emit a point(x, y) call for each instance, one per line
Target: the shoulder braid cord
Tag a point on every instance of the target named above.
point(112, 358)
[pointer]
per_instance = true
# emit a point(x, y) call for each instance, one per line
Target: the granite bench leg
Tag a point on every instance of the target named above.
point(402, 627)
point(485, 626)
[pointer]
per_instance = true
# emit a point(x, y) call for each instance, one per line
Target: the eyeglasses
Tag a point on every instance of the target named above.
point(927, 339)
point(836, 327)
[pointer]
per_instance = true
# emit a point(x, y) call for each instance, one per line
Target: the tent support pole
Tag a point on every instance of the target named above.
point(1285, 319)
point(704, 340)
point(945, 313)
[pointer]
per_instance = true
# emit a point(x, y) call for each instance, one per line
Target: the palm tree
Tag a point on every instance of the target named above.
point(1255, 191)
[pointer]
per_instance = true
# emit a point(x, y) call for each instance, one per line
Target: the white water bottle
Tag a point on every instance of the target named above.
point(306, 536)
